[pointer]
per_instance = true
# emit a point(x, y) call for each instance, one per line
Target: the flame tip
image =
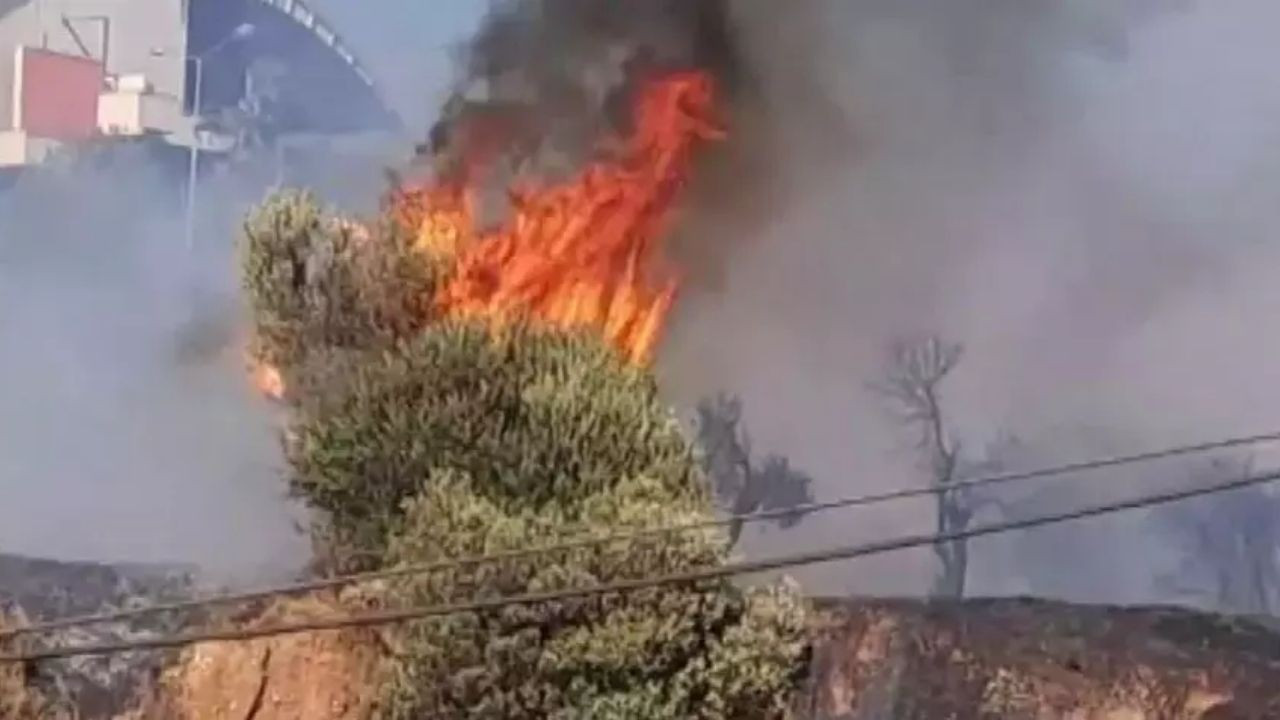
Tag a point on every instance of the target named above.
point(584, 253)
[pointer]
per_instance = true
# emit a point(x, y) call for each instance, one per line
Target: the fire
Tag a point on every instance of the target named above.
point(585, 253)
point(268, 381)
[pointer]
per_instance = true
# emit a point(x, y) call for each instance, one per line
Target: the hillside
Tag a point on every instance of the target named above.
point(903, 659)
point(1036, 659)
point(37, 589)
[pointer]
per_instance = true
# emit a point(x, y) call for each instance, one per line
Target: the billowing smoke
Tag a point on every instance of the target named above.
point(1074, 190)
point(1079, 192)
point(128, 429)
point(566, 65)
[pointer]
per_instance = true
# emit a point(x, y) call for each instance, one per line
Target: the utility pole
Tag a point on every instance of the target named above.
point(193, 165)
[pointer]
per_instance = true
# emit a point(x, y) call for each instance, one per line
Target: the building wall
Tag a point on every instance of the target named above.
point(17, 148)
point(20, 25)
point(143, 37)
point(323, 90)
point(133, 113)
point(57, 94)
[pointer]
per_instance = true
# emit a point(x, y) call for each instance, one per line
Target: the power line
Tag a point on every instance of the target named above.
point(580, 543)
point(707, 573)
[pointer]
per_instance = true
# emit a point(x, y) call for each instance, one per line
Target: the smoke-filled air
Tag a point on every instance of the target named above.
point(1057, 215)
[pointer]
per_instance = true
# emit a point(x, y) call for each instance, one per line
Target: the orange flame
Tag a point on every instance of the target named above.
point(585, 253)
point(268, 381)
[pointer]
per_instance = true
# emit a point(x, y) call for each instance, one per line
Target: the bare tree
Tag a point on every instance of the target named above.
point(741, 485)
point(1230, 547)
point(915, 372)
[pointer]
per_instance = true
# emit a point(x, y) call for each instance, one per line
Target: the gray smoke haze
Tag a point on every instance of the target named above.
point(1080, 192)
point(128, 430)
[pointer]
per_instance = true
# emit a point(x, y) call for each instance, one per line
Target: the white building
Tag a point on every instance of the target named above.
point(271, 67)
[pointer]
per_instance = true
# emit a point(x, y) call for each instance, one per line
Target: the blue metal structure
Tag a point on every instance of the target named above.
point(317, 84)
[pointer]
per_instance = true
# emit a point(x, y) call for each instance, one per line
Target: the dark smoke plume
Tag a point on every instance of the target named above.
point(556, 74)
point(545, 85)
point(1080, 191)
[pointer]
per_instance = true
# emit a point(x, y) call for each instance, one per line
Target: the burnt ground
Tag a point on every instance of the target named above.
point(34, 589)
point(1010, 659)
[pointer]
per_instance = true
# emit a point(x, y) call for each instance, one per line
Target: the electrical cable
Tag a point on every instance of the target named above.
point(702, 574)
point(580, 543)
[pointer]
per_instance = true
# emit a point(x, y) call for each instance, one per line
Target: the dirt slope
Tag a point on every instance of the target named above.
point(881, 660)
point(1033, 660)
point(328, 675)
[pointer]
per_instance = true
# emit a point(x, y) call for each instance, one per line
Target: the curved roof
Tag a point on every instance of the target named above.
point(325, 87)
point(318, 84)
point(302, 14)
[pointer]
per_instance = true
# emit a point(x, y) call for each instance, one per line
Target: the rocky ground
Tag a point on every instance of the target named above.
point(872, 659)
point(33, 590)
point(315, 676)
point(1033, 660)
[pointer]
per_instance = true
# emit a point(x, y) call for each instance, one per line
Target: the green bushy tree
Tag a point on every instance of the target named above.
point(704, 650)
point(534, 416)
point(425, 439)
point(318, 286)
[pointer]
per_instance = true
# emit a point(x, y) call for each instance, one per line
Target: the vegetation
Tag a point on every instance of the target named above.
point(19, 699)
point(699, 651)
point(319, 287)
point(911, 386)
point(425, 439)
point(1228, 545)
point(742, 485)
point(538, 420)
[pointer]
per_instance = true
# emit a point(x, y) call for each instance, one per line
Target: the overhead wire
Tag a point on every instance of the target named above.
point(388, 617)
point(285, 590)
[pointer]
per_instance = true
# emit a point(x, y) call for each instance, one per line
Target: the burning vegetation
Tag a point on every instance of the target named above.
point(586, 253)
point(461, 385)
point(581, 254)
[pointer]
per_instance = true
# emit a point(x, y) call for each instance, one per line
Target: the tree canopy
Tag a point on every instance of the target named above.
point(417, 439)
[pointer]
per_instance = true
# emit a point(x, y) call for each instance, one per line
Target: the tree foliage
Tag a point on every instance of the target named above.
point(743, 485)
point(536, 417)
point(698, 651)
point(20, 699)
point(912, 386)
point(420, 439)
point(318, 285)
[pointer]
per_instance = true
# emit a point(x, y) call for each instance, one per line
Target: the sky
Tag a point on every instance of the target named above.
point(406, 44)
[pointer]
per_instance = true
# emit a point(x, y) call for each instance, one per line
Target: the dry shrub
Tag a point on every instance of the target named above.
point(20, 699)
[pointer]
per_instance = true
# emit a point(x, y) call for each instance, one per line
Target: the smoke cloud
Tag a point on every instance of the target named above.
point(128, 429)
point(1079, 192)
point(129, 432)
